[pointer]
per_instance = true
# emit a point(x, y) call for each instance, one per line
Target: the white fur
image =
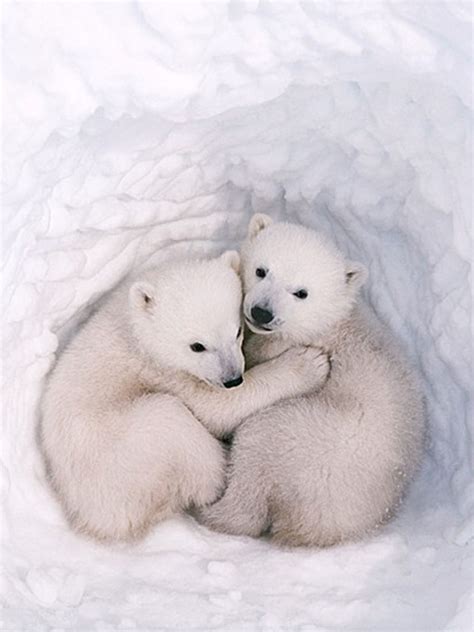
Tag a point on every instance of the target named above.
point(128, 407)
point(334, 464)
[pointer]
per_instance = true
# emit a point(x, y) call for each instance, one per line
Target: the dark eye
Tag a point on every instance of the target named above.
point(300, 294)
point(239, 332)
point(261, 273)
point(197, 347)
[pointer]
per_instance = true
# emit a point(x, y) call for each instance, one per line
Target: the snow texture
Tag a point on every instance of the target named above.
point(142, 131)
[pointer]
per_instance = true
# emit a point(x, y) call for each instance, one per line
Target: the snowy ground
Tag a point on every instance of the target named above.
point(145, 130)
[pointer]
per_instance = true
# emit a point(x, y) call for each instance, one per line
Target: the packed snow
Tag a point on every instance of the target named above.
point(136, 132)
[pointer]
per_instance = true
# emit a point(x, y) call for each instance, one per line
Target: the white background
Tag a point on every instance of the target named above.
point(135, 132)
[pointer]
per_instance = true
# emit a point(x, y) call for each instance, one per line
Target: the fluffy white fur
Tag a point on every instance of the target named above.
point(129, 405)
point(331, 465)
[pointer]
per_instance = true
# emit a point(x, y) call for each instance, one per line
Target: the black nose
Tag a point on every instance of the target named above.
point(236, 382)
point(261, 316)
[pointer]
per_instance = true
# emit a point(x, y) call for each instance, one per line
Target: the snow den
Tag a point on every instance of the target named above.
point(135, 132)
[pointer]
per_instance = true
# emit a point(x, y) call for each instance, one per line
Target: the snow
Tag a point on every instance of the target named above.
point(135, 132)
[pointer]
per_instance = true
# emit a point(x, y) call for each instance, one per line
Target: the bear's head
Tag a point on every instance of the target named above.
point(187, 317)
point(295, 281)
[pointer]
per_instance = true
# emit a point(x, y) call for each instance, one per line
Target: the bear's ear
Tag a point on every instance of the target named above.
point(356, 274)
point(258, 222)
point(142, 295)
point(232, 259)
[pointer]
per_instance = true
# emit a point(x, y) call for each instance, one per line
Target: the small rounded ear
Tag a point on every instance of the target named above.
point(142, 295)
point(258, 222)
point(232, 259)
point(356, 274)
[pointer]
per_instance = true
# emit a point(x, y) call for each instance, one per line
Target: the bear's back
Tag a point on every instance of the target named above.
point(99, 367)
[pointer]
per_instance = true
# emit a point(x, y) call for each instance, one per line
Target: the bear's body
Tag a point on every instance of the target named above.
point(124, 413)
point(331, 465)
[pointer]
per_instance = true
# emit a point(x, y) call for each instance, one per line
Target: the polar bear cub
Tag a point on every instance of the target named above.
point(127, 409)
point(331, 465)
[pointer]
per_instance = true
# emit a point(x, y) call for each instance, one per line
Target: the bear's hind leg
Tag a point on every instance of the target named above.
point(242, 510)
point(151, 461)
